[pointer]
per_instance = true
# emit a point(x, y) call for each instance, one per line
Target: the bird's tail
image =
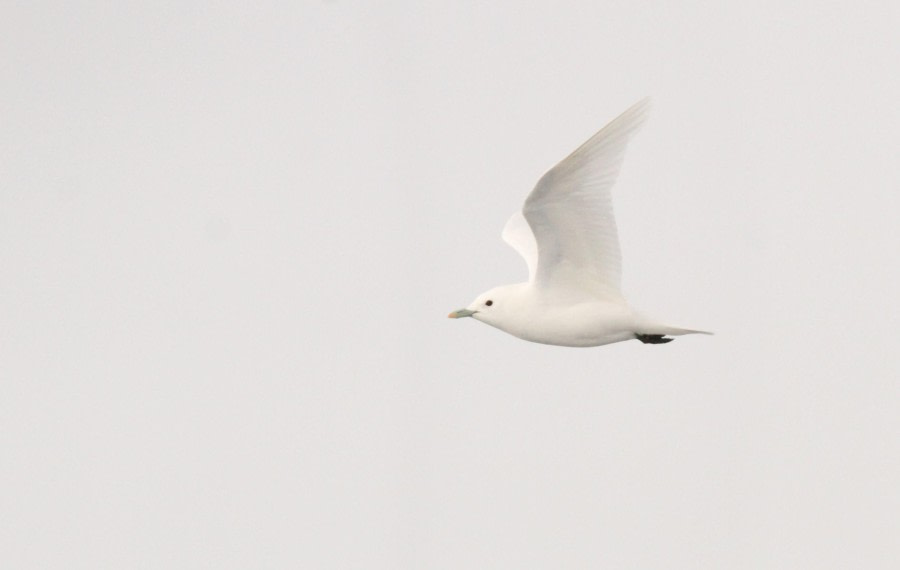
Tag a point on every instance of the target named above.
point(673, 331)
point(660, 334)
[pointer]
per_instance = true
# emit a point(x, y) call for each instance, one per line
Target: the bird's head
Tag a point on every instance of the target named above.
point(492, 307)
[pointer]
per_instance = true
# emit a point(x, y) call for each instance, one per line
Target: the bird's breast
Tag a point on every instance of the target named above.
point(581, 324)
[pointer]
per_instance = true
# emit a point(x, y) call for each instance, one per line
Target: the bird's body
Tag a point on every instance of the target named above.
point(543, 319)
point(567, 234)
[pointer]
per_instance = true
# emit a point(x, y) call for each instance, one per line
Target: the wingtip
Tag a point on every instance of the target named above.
point(642, 107)
point(631, 119)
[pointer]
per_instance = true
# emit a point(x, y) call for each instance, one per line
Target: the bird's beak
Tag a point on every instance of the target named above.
point(461, 313)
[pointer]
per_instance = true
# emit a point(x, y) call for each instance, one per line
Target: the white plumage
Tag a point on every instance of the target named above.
point(566, 232)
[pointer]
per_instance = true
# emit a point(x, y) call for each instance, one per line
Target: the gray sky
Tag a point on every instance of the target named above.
point(229, 237)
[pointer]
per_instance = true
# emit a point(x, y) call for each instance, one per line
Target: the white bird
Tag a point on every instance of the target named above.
point(566, 232)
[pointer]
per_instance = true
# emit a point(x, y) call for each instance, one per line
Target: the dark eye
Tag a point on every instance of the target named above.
point(489, 303)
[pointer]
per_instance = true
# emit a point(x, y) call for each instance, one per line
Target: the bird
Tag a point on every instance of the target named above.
point(566, 232)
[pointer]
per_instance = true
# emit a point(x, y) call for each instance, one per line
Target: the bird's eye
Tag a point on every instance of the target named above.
point(488, 303)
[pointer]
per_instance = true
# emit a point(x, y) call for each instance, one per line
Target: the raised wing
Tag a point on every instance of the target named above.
point(570, 212)
point(518, 234)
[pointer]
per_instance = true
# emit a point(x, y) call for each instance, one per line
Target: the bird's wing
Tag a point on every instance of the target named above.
point(570, 212)
point(518, 234)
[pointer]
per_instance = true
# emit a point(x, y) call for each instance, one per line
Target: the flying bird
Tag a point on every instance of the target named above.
point(567, 234)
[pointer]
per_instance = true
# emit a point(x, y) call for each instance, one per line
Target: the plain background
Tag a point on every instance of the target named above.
point(229, 237)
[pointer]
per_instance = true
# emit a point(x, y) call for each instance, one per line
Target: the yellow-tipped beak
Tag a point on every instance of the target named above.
point(461, 313)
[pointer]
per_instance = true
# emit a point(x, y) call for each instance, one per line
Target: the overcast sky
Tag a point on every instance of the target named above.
point(230, 234)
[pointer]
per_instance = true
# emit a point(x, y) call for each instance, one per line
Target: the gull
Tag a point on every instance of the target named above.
point(567, 234)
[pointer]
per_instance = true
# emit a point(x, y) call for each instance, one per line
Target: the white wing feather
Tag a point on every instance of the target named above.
point(571, 215)
point(518, 234)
